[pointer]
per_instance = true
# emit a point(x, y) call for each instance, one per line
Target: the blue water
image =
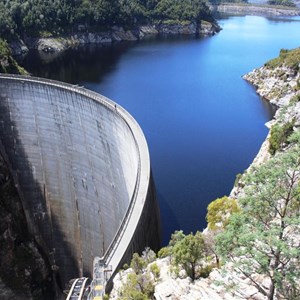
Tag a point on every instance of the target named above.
point(203, 122)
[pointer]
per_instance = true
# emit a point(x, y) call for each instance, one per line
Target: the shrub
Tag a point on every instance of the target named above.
point(154, 268)
point(148, 255)
point(164, 252)
point(279, 136)
point(219, 210)
point(138, 264)
point(205, 271)
point(237, 179)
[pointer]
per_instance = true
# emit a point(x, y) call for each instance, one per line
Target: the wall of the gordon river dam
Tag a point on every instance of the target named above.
point(82, 169)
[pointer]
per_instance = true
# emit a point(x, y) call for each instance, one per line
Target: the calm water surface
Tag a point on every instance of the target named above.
point(203, 122)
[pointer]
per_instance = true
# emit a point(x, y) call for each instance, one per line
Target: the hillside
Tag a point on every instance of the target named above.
point(259, 244)
point(7, 62)
point(58, 25)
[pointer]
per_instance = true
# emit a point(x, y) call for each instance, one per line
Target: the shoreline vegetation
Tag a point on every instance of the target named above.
point(56, 27)
point(23, 24)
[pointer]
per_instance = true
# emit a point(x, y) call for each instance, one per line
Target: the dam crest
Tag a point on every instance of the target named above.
point(81, 166)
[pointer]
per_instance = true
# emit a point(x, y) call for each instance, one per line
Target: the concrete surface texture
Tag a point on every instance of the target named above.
point(81, 165)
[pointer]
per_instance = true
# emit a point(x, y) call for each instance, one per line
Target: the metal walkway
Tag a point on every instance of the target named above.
point(77, 289)
point(101, 275)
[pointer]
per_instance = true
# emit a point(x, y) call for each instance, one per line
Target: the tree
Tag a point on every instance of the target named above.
point(189, 253)
point(176, 237)
point(219, 211)
point(148, 255)
point(279, 136)
point(137, 287)
point(183, 10)
point(7, 25)
point(138, 264)
point(210, 243)
point(263, 238)
point(155, 270)
point(139, 284)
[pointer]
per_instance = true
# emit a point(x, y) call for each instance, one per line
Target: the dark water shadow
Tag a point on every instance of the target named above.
point(167, 216)
point(76, 64)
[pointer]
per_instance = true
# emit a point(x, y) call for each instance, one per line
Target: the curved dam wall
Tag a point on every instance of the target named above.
point(81, 166)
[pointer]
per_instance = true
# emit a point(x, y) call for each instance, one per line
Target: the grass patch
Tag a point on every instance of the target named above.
point(288, 58)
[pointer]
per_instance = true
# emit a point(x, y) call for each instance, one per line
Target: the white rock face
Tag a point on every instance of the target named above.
point(212, 288)
point(276, 85)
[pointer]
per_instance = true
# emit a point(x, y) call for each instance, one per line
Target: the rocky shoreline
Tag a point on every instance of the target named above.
point(115, 34)
point(252, 9)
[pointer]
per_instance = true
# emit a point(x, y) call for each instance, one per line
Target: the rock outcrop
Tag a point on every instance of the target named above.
point(117, 33)
point(252, 9)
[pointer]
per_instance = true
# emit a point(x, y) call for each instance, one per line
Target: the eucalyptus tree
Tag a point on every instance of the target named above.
point(264, 237)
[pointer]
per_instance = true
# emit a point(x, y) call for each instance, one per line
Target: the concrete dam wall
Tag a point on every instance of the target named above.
point(81, 166)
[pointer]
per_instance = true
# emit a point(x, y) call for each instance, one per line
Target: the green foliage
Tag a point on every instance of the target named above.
point(37, 17)
point(263, 237)
point(189, 253)
point(288, 58)
point(176, 237)
point(154, 268)
point(137, 287)
point(7, 63)
point(210, 243)
point(219, 211)
point(148, 255)
point(180, 10)
point(4, 50)
point(294, 138)
point(282, 3)
point(106, 297)
point(205, 271)
point(164, 252)
point(279, 136)
point(138, 264)
point(139, 284)
point(237, 179)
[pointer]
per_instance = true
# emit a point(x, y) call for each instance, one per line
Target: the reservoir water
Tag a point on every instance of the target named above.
point(203, 122)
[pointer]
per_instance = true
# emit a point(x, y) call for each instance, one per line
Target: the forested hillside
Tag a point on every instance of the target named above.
point(43, 18)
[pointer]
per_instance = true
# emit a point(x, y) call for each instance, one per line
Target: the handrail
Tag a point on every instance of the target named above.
point(71, 295)
point(117, 109)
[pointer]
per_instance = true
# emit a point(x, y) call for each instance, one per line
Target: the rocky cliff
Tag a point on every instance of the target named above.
point(24, 270)
point(117, 33)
